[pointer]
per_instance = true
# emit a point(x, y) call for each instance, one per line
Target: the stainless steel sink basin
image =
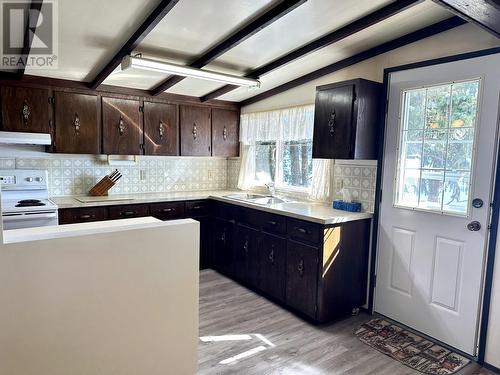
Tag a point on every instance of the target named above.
point(257, 198)
point(244, 196)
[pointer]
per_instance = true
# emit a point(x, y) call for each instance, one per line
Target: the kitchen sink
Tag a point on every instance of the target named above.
point(257, 198)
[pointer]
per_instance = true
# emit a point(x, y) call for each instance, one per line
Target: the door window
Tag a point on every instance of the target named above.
point(436, 147)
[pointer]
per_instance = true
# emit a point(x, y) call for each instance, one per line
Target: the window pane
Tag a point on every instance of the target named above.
point(416, 109)
point(438, 102)
point(265, 162)
point(297, 163)
point(435, 163)
point(464, 104)
point(431, 190)
point(456, 192)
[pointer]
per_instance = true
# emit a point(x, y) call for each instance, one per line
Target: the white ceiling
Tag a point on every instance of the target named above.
point(92, 31)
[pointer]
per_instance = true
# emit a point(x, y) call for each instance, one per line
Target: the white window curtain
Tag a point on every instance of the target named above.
point(289, 124)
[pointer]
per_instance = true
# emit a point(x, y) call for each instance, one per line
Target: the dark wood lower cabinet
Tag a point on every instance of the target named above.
point(245, 255)
point(319, 271)
point(302, 277)
point(222, 246)
point(271, 258)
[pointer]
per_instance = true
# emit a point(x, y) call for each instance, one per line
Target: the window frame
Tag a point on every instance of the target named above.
point(398, 167)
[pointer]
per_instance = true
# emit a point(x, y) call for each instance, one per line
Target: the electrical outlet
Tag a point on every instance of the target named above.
point(142, 174)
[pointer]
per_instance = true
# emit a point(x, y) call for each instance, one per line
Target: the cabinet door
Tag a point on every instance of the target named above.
point(121, 127)
point(246, 256)
point(205, 245)
point(161, 129)
point(76, 123)
point(302, 278)
point(225, 132)
point(333, 123)
point(25, 109)
point(222, 246)
point(195, 131)
point(272, 263)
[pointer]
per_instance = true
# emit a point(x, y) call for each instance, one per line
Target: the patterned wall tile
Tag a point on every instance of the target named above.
point(358, 180)
point(72, 175)
point(233, 171)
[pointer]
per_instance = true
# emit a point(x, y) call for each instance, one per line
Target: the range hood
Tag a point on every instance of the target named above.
point(18, 138)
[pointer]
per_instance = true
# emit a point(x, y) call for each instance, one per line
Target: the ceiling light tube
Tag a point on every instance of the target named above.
point(186, 71)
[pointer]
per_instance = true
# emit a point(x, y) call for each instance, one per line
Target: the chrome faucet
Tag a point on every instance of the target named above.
point(271, 188)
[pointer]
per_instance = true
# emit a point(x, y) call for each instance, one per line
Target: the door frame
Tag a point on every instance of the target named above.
point(492, 240)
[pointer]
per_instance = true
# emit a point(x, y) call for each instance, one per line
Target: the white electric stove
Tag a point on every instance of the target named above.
point(25, 199)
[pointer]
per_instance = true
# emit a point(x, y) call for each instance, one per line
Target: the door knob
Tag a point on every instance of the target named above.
point(474, 226)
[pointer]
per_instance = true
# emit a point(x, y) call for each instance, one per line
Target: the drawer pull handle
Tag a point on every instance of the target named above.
point(302, 230)
point(195, 131)
point(223, 237)
point(121, 126)
point(271, 256)
point(168, 210)
point(300, 267)
point(127, 213)
point(245, 246)
point(161, 129)
point(271, 222)
point(224, 133)
point(85, 217)
point(197, 207)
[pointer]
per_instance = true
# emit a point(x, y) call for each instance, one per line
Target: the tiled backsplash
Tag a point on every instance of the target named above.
point(233, 171)
point(71, 175)
point(358, 179)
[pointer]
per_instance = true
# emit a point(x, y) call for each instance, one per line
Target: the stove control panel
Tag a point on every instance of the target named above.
point(23, 179)
point(7, 180)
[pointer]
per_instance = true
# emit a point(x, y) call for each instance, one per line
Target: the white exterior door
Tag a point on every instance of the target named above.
point(440, 147)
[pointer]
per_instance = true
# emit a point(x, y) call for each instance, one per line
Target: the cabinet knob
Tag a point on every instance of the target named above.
point(195, 131)
point(25, 113)
point(76, 124)
point(332, 123)
point(224, 133)
point(121, 126)
point(271, 256)
point(300, 267)
point(161, 129)
point(245, 246)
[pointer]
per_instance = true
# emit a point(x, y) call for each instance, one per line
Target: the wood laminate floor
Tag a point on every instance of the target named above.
point(259, 337)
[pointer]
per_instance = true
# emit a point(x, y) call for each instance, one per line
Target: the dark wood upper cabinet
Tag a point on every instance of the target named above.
point(161, 129)
point(77, 126)
point(346, 120)
point(195, 131)
point(225, 132)
point(25, 109)
point(121, 127)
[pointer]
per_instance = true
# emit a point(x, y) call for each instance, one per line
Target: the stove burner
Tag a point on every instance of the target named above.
point(30, 203)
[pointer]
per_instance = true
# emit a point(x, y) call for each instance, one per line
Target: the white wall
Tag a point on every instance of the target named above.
point(459, 40)
point(122, 302)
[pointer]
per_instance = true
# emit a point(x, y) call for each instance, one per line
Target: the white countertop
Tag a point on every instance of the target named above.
point(309, 211)
point(82, 229)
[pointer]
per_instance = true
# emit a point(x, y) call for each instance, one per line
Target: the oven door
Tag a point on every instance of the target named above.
point(29, 219)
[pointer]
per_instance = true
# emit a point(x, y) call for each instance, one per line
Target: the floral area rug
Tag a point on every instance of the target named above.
point(410, 349)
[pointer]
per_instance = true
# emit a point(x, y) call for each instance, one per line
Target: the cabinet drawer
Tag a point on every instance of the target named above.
point(82, 215)
point(167, 211)
point(197, 208)
point(248, 217)
point(272, 223)
point(128, 211)
point(303, 231)
point(224, 211)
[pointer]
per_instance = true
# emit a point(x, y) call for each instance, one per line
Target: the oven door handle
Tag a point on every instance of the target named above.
point(34, 215)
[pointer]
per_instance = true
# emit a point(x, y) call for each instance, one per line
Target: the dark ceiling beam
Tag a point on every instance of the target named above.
point(233, 40)
point(149, 24)
point(322, 42)
point(35, 8)
point(483, 13)
point(415, 36)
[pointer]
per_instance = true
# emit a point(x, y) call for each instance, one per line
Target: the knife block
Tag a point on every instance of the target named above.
point(101, 188)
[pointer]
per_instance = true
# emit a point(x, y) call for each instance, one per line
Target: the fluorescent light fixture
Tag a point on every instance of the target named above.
point(20, 138)
point(186, 71)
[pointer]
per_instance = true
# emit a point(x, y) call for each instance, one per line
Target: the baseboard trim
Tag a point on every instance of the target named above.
point(487, 366)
